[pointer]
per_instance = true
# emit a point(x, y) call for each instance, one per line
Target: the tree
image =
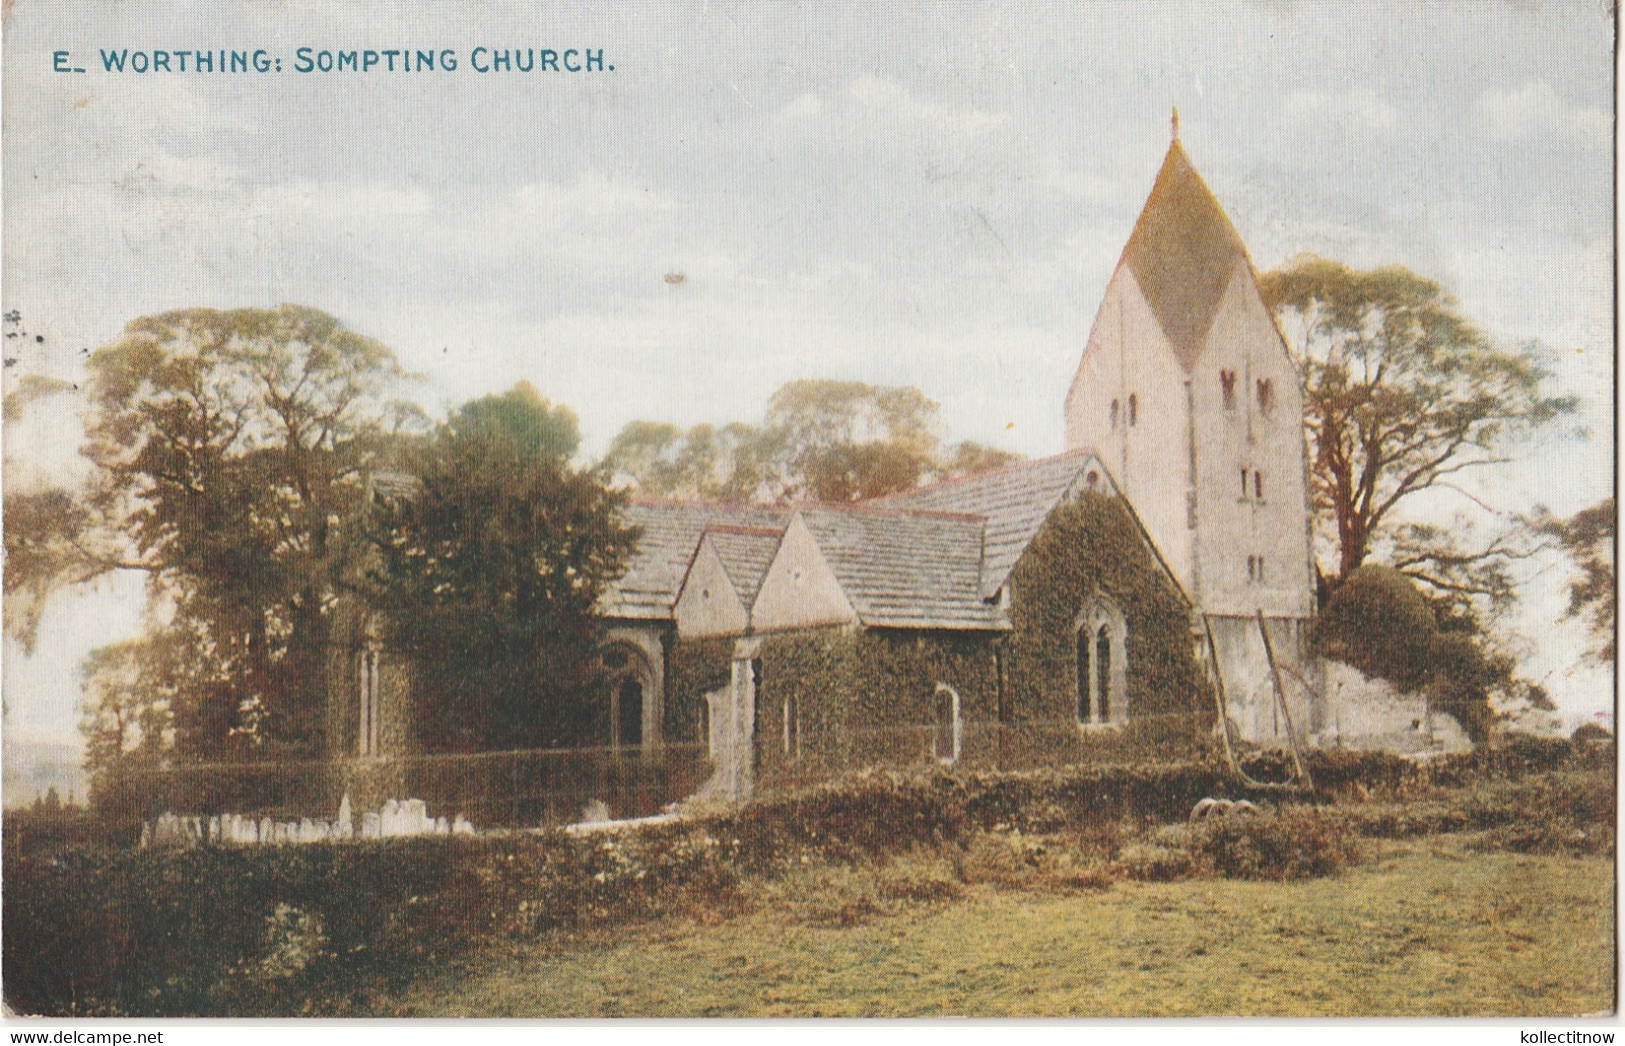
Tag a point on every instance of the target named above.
point(1402, 393)
point(819, 440)
point(229, 451)
point(490, 571)
point(1380, 622)
point(1589, 537)
point(726, 464)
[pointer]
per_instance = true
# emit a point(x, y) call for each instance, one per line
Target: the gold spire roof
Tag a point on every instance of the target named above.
point(1183, 252)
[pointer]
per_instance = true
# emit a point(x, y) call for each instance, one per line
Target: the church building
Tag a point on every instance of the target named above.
point(1111, 601)
point(1036, 613)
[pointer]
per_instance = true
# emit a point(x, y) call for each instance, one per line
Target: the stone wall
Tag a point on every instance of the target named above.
point(1370, 714)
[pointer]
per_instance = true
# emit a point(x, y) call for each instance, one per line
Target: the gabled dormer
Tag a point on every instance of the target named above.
point(720, 586)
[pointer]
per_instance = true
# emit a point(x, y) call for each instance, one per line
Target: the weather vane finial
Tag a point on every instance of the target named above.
point(1176, 124)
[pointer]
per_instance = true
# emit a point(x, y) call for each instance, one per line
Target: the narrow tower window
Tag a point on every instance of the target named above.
point(1244, 484)
point(1227, 383)
point(1114, 415)
point(1266, 395)
point(1133, 410)
point(1258, 485)
point(368, 734)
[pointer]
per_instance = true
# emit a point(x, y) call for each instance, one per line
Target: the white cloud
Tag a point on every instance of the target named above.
point(1535, 109)
point(1357, 106)
point(896, 105)
point(804, 108)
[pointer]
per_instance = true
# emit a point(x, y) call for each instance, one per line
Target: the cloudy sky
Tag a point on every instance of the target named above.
point(929, 194)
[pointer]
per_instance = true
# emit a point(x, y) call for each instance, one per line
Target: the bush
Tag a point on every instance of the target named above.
point(278, 929)
point(1569, 810)
point(1291, 844)
point(1378, 621)
point(1157, 862)
point(1588, 732)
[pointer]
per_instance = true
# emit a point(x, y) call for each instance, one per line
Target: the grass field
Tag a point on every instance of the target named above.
point(1425, 928)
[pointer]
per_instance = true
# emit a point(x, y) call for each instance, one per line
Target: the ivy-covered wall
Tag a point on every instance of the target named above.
point(1086, 548)
point(864, 698)
point(694, 667)
point(396, 694)
point(868, 697)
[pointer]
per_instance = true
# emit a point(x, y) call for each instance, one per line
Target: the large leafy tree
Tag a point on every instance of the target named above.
point(229, 450)
point(489, 570)
point(819, 440)
point(1402, 394)
point(1590, 537)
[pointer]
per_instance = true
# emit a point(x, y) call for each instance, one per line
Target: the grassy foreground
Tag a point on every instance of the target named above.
point(1426, 928)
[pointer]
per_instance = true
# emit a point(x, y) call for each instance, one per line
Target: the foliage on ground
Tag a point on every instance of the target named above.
point(322, 928)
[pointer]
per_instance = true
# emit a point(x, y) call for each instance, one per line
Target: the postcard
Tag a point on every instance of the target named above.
point(714, 509)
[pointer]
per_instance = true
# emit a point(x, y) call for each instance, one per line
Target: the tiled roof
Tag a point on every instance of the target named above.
point(745, 553)
point(1014, 500)
point(671, 530)
point(904, 569)
point(1183, 253)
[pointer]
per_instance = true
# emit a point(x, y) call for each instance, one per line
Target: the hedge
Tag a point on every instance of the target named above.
point(227, 930)
point(288, 928)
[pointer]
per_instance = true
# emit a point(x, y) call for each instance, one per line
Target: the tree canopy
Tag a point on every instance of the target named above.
point(1402, 394)
point(819, 440)
point(1589, 537)
point(228, 451)
point(489, 571)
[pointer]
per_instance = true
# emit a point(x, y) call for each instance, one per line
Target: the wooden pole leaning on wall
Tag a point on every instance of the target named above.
point(1280, 697)
point(1223, 701)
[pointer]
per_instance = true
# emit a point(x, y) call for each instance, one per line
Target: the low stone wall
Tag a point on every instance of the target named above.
point(1370, 713)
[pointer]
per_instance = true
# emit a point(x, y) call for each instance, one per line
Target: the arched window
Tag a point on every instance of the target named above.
point(792, 725)
point(1227, 385)
point(947, 734)
point(1103, 675)
point(1266, 395)
point(1133, 409)
point(1100, 669)
point(1115, 408)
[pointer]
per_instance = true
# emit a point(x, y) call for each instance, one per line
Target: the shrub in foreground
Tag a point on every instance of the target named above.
point(1292, 843)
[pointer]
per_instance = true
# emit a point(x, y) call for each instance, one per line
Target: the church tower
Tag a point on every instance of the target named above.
point(1188, 392)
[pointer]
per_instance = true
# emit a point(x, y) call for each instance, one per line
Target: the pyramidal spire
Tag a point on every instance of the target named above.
point(1174, 133)
point(1183, 252)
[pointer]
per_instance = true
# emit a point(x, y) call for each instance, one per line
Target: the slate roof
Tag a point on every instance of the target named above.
point(671, 531)
point(1013, 500)
point(904, 569)
point(1183, 252)
point(745, 553)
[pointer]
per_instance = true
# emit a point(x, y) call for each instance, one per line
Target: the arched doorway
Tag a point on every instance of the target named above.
point(626, 697)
